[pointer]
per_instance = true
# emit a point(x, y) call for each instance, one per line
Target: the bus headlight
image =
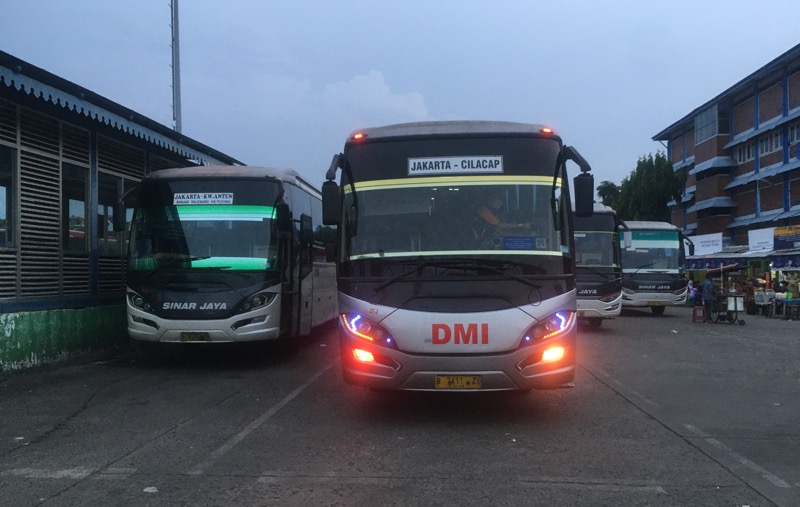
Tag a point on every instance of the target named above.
point(256, 301)
point(681, 291)
point(139, 302)
point(551, 327)
point(362, 328)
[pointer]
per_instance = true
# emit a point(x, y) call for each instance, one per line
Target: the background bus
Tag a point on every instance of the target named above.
point(226, 254)
point(430, 298)
point(598, 265)
point(653, 266)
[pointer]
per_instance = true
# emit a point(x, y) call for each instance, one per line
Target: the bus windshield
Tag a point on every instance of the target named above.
point(452, 216)
point(178, 226)
point(595, 249)
point(596, 241)
point(653, 252)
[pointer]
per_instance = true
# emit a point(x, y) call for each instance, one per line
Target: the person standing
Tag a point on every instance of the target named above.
point(708, 295)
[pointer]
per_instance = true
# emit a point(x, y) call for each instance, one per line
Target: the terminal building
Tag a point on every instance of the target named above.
point(66, 156)
point(740, 156)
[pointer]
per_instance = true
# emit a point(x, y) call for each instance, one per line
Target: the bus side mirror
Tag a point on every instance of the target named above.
point(330, 252)
point(331, 205)
point(283, 217)
point(119, 217)
point(584, 194)
point(627, 239)
point(306, 230)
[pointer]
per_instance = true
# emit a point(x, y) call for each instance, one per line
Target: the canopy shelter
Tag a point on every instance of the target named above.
point(785, 260)
point(736, 258)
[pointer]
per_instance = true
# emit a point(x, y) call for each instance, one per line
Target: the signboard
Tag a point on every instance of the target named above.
point(705, 244)
point(202, 198)
point(487, 164)
point(761, 239)
point(787, 237)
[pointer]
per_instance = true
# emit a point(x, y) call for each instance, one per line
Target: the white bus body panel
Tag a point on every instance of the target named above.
point(265, 326)
point(492, 351)
point(644, 299)
point(594, 308)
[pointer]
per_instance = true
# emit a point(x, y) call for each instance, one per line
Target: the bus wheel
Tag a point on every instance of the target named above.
point(657, 310)
point(595, 322)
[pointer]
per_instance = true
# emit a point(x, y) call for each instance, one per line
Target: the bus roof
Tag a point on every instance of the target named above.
point(452, 127)
point(644, 224)
point(232, 171)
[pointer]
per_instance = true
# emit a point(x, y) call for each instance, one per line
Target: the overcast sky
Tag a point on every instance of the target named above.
point(282, 83)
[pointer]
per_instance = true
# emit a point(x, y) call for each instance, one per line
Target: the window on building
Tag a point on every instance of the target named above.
point(745, 153)
point(74, 208)
point(769, 143)
point(7, 172)
point(794, 133)
point(108, 192)
point(705, 125)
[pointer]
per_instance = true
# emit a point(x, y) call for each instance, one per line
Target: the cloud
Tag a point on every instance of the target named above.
point(282, 120)
point(368, 96)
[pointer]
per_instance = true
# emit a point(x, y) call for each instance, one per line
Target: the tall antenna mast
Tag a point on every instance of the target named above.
point(176, 68)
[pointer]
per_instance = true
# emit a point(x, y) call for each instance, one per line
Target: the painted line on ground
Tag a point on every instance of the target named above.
point(201, 467)
point(42, 473)
point(278, 477)
point(627, 389)
point(766, 474)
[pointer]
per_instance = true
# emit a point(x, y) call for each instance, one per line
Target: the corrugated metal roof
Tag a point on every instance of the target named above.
point(36, 82)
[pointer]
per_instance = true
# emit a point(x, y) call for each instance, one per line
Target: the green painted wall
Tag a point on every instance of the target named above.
point(30, 339)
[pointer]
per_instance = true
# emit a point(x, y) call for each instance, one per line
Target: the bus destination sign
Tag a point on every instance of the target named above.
point(492, 164)
point(203, 198)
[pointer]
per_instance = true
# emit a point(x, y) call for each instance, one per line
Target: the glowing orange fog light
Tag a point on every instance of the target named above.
point(553, 354)
point(363, 356)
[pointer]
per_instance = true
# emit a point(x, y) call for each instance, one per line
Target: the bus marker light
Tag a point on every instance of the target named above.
point(363, 356)
point(553, 354)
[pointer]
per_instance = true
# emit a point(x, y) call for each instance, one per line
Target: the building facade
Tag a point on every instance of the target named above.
point(740, 155)
point(66, 157)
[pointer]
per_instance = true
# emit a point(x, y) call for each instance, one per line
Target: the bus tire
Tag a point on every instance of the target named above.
point(657, 310)
point(595, 322)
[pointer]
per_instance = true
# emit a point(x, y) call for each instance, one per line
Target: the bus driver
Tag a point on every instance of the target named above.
point(487, 222)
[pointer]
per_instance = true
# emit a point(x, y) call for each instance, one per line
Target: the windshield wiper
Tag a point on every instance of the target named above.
point(173, 260)
point(607, 276)
point(642, 267)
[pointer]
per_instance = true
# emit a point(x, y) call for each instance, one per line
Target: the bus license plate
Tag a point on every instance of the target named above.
point(194, 337)
point(458, 382)
point(655, 303)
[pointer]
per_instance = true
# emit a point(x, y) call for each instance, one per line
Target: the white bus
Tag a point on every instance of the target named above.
point(455, 256)
point(226, 254)
point(598, 265)
point(653, 266)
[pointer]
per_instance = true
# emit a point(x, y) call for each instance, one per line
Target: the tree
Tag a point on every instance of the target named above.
point(608, 193)
point(644, 194)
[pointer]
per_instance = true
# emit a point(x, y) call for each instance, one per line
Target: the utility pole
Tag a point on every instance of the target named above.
point(176, 68)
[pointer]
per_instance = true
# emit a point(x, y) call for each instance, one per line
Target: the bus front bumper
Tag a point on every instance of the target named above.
point(520, 369)
point(258, 325)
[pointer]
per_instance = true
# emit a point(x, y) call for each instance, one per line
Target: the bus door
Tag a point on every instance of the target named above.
point(296, 261)
point(287, 263)
point(305, 258)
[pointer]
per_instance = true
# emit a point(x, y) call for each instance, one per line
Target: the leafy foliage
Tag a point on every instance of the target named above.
point(644, 194)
